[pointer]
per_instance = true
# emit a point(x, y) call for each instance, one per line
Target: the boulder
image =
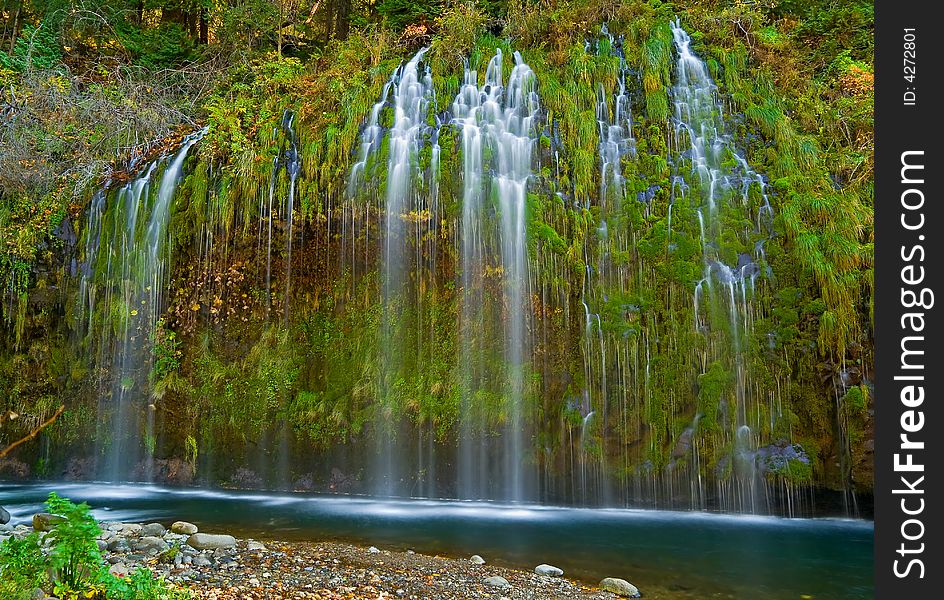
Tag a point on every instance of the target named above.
point(548, 570)
point(183, 528)
point(4, 516)
point(620, 587)
point(46, 521)
point(210, 541)
point(153, 529)
point(496, 581)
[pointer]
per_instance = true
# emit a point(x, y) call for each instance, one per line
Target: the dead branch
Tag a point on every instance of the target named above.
point(33, 433)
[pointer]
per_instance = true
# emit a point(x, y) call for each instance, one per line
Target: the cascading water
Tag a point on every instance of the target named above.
point(412, 97)
point(122, 290)
point(502, 119)
point(701, 139)
point(460, 378)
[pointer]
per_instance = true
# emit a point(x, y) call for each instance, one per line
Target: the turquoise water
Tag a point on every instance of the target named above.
point(674, 554)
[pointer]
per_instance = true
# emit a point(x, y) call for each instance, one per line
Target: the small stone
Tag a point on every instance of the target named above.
point(496, 581)
point(254, 582)
point(153, 529)
point(373, 550)
point(46, 521)
point(102, 545)
point(119, 545)
point(209, 541)
point(183, 528)
point(477, 560)
point(620, 587)
point(119, 570)
point(548, 570)
point(253, 546)
point(131, 528)
point(151, 543)
point(201, 561)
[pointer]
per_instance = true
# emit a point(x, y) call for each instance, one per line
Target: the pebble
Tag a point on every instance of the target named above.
point(548, 570)
point(620, 587)
point(477, 560)
point(496, 581)
point(153, 529)
point(373, 550)
point(209, 541)
point(184, 528)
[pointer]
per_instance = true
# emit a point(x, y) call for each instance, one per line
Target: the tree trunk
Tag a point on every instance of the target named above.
point(16, 22)
point(204, 27)
point(343, 25)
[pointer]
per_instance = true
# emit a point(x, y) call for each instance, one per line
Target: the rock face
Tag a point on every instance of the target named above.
point(4, 516)
point(183, 528)
point(210, 541)
point(548, 570)
point(496, 581)
point(46, 521)
point(620, 587)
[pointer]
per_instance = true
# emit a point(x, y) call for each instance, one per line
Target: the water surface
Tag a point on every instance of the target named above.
point(698, 555)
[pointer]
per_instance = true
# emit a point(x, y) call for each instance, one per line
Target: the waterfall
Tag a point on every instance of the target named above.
point(413, 96)
point(502, 119)
point(725, 180)
point(122, 286)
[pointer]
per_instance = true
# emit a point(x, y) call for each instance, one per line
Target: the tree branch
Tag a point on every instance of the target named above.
point(33, 433)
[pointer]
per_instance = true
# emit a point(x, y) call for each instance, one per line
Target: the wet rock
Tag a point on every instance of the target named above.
point(620, 587)
point(46, 521)
point(183, 528)
point(254, 546)
point(210, 541)
point(477, 560)
point(496, 581)
point(4, 516)
point(548, 570)
point(373, 550)
point(153, 529)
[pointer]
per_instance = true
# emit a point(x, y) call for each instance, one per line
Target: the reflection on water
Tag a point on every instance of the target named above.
point(711, 555)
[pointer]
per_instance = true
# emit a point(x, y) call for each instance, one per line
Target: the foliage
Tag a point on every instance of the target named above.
point(22, 567)
point(74, 563)
point(75, 553)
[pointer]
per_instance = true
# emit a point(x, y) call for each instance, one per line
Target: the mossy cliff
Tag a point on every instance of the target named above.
point(264, 363)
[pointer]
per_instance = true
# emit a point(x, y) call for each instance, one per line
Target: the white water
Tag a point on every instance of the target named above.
point(502, 118)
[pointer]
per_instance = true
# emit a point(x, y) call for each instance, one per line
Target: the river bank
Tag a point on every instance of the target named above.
point(217, 566)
